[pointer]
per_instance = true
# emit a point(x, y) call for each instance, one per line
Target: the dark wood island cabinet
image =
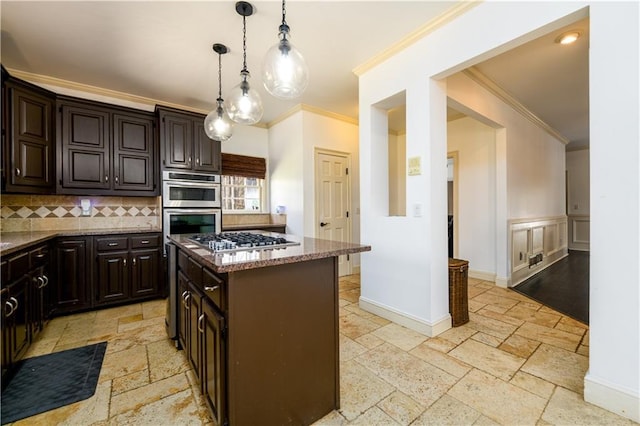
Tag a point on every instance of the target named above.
point(260, 329)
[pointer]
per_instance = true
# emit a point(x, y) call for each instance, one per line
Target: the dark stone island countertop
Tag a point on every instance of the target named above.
point(11, 242)
point(309, 249)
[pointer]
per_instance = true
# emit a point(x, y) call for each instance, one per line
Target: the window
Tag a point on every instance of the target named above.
point(243, 183)
point(242, 194)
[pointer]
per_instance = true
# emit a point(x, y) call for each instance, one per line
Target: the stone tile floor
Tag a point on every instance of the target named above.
point(515, 363)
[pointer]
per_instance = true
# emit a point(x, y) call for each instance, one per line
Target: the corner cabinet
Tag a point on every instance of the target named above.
point(27, 137)
point(105, 150)
point(185, 144)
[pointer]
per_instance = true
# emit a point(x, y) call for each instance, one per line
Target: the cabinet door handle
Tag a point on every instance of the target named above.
point(124, 262)
point(11, 309)
point(106, 178)
point(200, 319)
point(214, 288)
point(112, 244)
point(40, 255)
point(133, 261)
point(40, 281)
point(13, 299)
point(186, 301)
point(116, 179)
point(46, 280)
point(144, 242)
point(18, 171)
point(197, 161)
point(189, 160)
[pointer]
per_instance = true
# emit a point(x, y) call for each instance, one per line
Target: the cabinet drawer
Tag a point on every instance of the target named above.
point(183, 261)
point(114, 243)
point(194, 272)
point(214, 288)
point(39, 256)
point(18, 266)
point(145, 241)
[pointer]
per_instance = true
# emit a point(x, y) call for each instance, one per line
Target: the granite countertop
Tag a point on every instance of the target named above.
point(14, 241)
point(309, 249)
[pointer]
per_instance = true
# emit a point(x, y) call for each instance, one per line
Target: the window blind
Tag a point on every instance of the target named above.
point(245, 166)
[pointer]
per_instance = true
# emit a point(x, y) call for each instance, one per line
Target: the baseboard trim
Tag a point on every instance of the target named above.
point(482, 275)
point(409, 321)
point(610, 397)
point(504, 282)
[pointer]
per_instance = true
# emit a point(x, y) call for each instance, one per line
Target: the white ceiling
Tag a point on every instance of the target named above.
point(161, 50)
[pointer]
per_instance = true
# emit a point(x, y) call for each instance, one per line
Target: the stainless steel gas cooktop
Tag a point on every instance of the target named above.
point(228, 242)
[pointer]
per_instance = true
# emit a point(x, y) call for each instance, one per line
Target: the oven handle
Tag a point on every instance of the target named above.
point(183, 184)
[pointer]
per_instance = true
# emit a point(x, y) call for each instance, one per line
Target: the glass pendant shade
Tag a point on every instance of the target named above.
point(245, 104)
point(217, 124)
point(284, 71)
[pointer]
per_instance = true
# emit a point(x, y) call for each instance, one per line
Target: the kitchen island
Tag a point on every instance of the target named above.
point(260, 328)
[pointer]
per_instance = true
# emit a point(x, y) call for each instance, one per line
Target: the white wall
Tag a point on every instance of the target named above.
point(291, 163)
point(286, 184)
point(578, 181)
point(613, 379)
point(475, 144)
point(409, 278)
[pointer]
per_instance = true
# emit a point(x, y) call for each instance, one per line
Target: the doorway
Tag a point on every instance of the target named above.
point(452, 203)
point(333, 201)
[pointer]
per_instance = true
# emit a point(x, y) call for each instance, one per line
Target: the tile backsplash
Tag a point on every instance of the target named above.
point(61, 212)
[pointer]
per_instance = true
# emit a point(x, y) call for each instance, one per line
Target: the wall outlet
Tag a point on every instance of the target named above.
point(85, 205)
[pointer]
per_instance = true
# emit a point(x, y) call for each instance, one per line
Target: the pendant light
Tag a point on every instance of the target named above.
point(284, 71)
point(217, 124)
point(245, 104)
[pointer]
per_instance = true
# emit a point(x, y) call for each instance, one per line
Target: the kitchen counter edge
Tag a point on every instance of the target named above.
point(21, 240)
point(309, 249)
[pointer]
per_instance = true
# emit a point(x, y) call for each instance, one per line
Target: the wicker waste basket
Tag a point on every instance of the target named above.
point(458, 298)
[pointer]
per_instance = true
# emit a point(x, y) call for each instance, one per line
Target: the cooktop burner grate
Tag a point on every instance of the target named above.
point(236, 241)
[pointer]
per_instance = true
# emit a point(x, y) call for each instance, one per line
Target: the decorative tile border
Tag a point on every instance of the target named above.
point(39, 212)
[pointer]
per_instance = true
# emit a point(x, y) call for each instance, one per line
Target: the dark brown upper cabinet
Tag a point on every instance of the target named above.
point(105, 150)
point(185, 145)
point(27, 137)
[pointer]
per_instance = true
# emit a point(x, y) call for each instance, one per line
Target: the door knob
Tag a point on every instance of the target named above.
point(324, 223)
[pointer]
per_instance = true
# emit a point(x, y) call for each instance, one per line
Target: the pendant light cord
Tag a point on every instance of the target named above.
point(284, 13)
point(219, 77)
point(244, 43)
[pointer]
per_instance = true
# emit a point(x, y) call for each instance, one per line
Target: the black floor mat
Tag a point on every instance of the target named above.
point(563, 286)
point(50, 381)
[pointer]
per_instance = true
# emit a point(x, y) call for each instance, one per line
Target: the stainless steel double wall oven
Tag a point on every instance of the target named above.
point(191, 204)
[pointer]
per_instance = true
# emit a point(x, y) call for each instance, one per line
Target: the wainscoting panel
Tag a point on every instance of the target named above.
point(579, 232)
point(535, 244)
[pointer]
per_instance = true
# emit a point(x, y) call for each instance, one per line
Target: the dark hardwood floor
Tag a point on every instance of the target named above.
point(563, 286)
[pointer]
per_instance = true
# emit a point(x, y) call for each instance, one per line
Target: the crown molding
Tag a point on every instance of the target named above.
point(484, 81)
point(449, 15)
point(99, 91)
point(315, 110)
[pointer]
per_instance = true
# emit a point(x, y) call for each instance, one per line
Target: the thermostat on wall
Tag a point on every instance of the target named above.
point(414, 166)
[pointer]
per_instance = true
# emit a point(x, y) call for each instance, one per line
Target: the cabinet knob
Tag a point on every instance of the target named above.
point(214, 288)
point(189, 160)
point(106, 178)
point(116, 179)
point(18, 171)
point(124, 262)
point(133, 261)
point(197, 161)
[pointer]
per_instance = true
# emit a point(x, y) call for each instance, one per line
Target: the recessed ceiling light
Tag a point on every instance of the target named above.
point(568, 37)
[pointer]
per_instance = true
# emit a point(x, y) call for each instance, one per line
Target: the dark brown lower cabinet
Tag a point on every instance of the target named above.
point(213, 361)
point(263, 342)
point(72, 284)
point(127, 268)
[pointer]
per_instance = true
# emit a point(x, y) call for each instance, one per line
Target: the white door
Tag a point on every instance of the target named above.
point(333, 202)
